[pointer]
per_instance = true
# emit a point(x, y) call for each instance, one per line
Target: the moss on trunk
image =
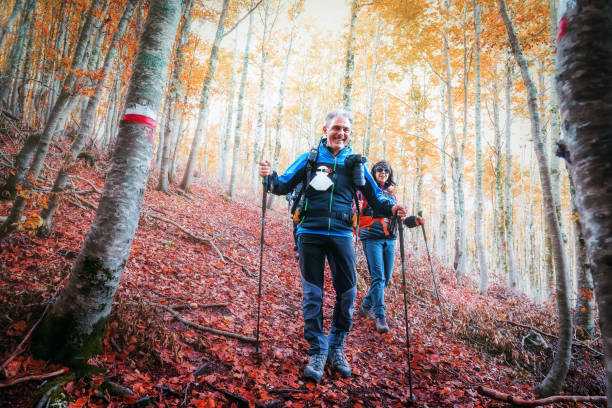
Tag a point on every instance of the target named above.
point(55, 339)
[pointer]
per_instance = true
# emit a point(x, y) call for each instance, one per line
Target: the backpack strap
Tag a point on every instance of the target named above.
point(311, 162)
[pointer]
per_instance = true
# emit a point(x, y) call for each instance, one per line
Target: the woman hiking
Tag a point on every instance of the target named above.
point(377, 234)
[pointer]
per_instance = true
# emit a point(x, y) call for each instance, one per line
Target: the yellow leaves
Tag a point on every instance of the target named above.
point(33, 221)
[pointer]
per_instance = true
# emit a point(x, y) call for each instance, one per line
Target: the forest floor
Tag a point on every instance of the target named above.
point(173, 272)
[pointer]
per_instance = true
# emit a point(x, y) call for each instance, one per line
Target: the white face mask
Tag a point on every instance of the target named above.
point(321, 181)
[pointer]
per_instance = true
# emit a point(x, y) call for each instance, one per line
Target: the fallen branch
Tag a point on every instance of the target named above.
point(84, 201)
point(93, 186)
point(225, 392)
point(186, 393)
point(574, 341)
point(500, 396)
point(181, 319)
point(288, 390)
point(224, 258)
point(76, 204)
point(186, 231)
point(33, 377)
point(199, 305)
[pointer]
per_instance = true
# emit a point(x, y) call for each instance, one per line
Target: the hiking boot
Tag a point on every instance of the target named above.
point(381, 324)
point(339, 363)
point(316, 366)
point(364, 312)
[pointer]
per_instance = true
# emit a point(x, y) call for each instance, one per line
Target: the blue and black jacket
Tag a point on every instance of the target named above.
point(329, 212)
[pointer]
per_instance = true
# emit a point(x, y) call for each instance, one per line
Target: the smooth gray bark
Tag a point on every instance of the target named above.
point(240, 107)
point(372, 89)
point(584, 69)
point(478, 213)
point(202, 117)
point(259, 144)
point(459, 238)
point(498, 225)
point(281, 97)
point(73, 329)
point(175, 91)
point(222, 172)
point(553, 382)
point(443, 240)
point(509, 225)
point(347, 92)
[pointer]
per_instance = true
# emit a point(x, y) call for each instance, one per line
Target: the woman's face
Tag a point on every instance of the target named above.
point(382, 174)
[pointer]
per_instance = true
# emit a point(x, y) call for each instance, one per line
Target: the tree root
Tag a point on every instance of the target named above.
point(32, 377)
point(516, 401)
point(52, 393)
point(574, 341)
point(181, 319)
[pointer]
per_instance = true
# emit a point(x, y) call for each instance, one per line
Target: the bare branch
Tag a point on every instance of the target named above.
point(242, 18)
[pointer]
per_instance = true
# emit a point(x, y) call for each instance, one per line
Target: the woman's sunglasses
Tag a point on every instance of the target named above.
point(381, 170)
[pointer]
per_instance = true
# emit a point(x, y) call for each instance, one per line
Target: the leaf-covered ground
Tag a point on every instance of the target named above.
point(166, 362)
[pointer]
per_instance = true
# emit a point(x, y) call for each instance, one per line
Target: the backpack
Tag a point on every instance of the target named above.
point(311, 163)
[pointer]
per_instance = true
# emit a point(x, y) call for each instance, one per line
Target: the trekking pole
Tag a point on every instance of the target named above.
point(433, 274)
point(404, 289)
point(263, 224)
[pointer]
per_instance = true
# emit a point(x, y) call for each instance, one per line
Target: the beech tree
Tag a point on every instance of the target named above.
point(73, 329)
point(480, 247)
point(584, 68)
point(553, 381)
point(347, 92)
point(240, 107)
point(201, 127)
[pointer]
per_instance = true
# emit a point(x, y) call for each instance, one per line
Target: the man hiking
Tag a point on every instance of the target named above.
point(332, 174)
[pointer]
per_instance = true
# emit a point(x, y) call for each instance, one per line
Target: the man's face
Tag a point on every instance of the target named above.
point(337, 134)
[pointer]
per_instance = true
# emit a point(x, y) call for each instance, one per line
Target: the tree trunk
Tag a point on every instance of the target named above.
point(200, 128)
point(21, 165)
point(175, 92)
point(554, 379)
point(240, 107)
point(482, 254)
point(230, 116)
point(17, 53)
point(372, 92)
point(442, 247)
point(281, 97)
point(350, 58)
point(500, 247)
point(509, 226)
point(86, 124)
point(73, 329)
point(584, 61)
point(585, 302)
point(9, 22)
point(258, 145)
point(459, 239)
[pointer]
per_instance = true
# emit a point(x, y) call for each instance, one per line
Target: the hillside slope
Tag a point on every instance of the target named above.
point(196, 256)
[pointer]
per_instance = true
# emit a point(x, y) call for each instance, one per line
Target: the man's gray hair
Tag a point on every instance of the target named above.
point(338, 112)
